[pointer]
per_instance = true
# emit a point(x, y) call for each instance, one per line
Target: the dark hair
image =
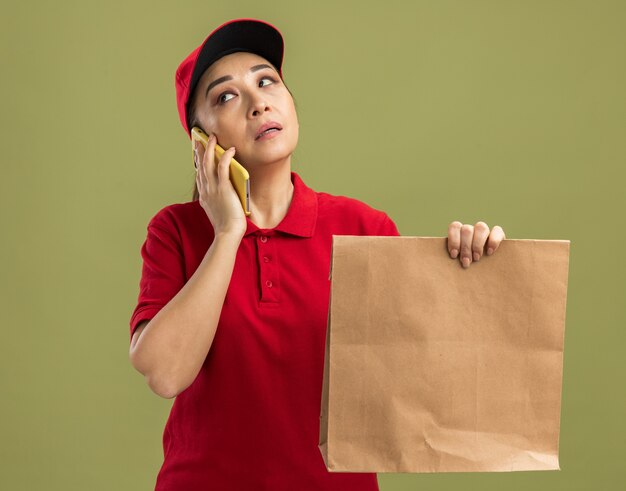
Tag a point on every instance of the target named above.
point(194, 121)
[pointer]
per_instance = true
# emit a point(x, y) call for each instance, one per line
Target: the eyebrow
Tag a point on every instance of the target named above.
point(220, 80)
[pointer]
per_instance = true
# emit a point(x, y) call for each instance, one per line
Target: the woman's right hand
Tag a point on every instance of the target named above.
point(217, 195)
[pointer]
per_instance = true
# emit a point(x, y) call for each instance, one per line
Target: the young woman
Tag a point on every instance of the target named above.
point(232, 311)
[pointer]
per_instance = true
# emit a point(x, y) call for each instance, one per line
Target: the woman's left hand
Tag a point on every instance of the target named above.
point(472, 240)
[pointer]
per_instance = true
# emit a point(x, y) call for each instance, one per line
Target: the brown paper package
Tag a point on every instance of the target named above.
point(431, 367)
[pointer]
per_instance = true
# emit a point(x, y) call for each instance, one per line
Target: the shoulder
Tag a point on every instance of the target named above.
point(178, 217)
point(333, 202)
point(351, 212)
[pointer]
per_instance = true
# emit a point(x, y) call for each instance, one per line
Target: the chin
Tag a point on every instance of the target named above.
point(271, 156)
point(265, 153)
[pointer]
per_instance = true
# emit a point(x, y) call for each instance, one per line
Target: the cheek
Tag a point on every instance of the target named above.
point(205, 122)
point(293, 115)
point(296, 122)
point(219, 126)
point(211, 121)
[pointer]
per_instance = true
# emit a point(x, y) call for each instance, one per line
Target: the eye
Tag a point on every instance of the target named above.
point(221, 101)
point(267, 78)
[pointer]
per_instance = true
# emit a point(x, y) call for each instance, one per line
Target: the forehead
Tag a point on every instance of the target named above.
point(232, 64)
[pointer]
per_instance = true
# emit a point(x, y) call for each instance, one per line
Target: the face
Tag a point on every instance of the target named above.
point(234, 110)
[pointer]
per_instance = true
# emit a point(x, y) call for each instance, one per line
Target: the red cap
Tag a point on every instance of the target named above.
point(252, 35)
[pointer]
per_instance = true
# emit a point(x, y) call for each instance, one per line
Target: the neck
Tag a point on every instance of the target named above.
point(271, 191)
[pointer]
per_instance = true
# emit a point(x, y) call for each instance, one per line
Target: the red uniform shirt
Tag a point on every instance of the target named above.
point(251, 419)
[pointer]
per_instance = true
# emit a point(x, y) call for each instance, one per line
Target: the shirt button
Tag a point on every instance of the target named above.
point(266, 259)
point(263, 238)
point(269, 284)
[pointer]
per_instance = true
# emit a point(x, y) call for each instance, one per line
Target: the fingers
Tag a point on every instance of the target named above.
point(200, 166)
point(207, 168)
point(223, 167)
point(209, 163)
point(454, 238)
point(216, 174)
point(495, 238)
point(460, 240)
point(199, 174)
point(202, 173)
point(481, 232)
point(209, 174)
point(469, 241)
point(467, 233)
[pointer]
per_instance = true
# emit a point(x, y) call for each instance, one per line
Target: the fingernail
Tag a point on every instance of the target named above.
point(454, 253)
point(489, 251)
point(476, 256)
point(466, 262)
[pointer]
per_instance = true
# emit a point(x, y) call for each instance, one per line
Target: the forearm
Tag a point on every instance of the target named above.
point(175, 343)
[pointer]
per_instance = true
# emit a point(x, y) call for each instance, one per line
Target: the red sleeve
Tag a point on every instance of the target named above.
point(388, 227)
point(163, 270)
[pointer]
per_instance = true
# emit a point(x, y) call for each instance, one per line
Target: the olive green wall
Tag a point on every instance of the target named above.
point(513, 113)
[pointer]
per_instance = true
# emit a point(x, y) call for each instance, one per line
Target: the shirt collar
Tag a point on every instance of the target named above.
point(302, 213)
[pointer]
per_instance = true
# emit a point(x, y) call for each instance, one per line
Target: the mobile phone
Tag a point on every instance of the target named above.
point(239, 176)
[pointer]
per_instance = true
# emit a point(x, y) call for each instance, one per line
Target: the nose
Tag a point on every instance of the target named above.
point(258, 106)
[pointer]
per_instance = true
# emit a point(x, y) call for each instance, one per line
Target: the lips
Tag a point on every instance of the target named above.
point(267, 126)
